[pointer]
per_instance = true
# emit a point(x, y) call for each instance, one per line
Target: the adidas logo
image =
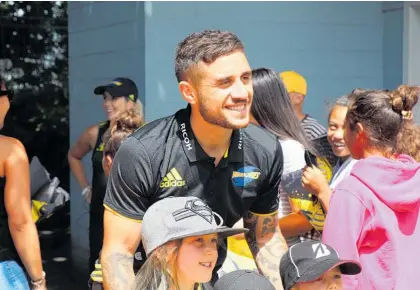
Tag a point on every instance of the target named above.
point(172, 179)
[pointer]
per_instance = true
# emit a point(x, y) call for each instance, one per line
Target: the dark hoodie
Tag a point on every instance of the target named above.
point(374, 218)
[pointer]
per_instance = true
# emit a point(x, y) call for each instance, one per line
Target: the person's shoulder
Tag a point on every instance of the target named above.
point(12, 148)
point(293, 155)
point(10, 142)
point(255, 137)
point(291, 145)
point(157, 131)
point(93, 130)
point(152, 138)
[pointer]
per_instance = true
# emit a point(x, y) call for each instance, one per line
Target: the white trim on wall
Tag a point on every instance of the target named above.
point(411, 47)
point(411, 43)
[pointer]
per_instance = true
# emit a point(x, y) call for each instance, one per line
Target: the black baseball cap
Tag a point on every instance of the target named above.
point(307, 261)
point(119, 87)
point(243, 280)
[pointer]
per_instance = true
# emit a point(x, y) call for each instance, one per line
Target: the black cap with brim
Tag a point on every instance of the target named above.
point(243, 280)
point(317, 271)
point(119, 87)
point(310, 260)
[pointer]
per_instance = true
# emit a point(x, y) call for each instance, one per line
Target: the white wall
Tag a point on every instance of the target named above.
point(411, 63)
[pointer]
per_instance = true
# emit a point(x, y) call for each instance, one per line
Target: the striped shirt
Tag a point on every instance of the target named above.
point(313, 129)
point(315, 132)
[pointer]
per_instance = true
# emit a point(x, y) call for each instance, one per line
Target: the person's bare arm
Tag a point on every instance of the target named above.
point(18, 206)
point(267, 244)
point(121, 239)
point(83, 146)
point(294, 224)
point(130, 183)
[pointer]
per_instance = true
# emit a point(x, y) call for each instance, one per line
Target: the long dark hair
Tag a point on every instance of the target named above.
point(272, 108)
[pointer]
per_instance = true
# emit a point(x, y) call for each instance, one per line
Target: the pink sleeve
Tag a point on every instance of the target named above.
point(343, 228)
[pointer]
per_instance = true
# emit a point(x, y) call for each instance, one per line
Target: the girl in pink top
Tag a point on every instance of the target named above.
point(373, 214)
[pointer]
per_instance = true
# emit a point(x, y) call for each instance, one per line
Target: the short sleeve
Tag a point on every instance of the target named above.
point(294, 161)
point(267, 201)
point(131, 181)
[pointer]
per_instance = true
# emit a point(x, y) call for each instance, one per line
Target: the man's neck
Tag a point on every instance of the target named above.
point(299, 112)
point(214, 140)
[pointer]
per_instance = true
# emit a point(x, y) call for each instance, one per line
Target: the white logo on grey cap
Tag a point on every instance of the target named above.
point(194, 208)
point(320, 250)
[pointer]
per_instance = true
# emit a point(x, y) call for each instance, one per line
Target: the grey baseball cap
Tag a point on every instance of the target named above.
point(176, 218)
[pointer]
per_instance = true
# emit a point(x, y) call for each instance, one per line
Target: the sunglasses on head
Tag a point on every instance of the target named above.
point(8, 93)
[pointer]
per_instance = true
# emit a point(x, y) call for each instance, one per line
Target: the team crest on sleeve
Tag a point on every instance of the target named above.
point(244, 175)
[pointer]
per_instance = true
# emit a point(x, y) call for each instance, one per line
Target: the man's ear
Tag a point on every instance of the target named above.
point(187, 92)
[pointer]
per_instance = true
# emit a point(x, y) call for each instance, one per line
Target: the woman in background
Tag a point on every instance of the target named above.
point(118, 96)
point(120, 128)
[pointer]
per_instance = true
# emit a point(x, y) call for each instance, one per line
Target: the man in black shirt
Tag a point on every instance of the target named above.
point(200, 151)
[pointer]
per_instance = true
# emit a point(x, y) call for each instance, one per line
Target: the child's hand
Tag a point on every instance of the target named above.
point(314, 180)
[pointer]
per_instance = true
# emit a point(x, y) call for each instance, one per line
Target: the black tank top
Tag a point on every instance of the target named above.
point(99, 180)
point(7, 247)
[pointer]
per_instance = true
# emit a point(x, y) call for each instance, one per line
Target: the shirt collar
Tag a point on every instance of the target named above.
point(193, 149)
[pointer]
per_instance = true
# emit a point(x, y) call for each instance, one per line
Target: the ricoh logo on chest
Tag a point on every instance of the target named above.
point(240, 140)
point(185, 137)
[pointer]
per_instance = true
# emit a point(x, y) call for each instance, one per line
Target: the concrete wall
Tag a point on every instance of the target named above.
point(393, 44)
point(411, 47)
point(106, 39)
point(337, 46)
point(324, 41)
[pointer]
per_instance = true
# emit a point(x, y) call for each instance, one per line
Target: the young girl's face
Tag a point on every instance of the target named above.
point(197, 258)
point(330, 281)
point(336, 131)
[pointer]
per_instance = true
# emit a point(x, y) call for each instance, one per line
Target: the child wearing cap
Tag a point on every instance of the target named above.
point(180, 237)
point(243, 280)
point(312, 265)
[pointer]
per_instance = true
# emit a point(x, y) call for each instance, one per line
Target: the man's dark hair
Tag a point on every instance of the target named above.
point(205, 46)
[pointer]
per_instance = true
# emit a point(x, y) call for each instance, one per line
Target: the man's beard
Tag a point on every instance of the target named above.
point(218, 120)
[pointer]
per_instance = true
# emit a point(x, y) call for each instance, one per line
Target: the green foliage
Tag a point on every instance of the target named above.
point(34, 63)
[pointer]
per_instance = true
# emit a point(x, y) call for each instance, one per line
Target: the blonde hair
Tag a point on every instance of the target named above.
point(139, 109)
point(160, 271)
point(120, 128)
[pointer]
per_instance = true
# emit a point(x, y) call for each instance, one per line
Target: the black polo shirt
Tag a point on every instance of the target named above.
point(163, 159)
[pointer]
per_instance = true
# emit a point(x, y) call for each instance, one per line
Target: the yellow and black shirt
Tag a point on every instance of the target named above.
point(99, 179)
point(164, 159)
